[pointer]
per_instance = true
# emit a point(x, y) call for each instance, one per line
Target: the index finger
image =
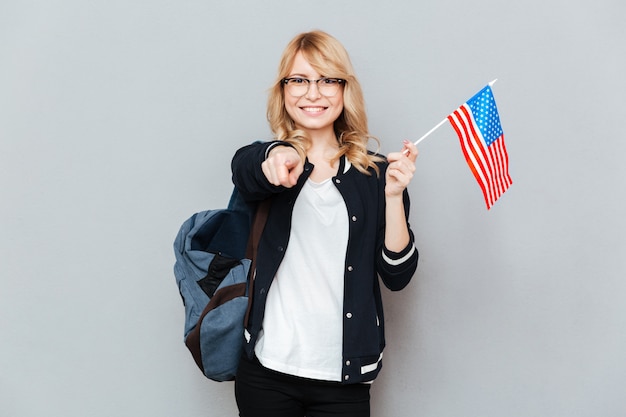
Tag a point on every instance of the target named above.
point(410, 150)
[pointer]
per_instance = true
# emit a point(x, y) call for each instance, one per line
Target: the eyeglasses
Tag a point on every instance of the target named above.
point(297, 87)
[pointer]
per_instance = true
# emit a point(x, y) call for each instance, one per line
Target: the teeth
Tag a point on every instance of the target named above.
point(313, 109)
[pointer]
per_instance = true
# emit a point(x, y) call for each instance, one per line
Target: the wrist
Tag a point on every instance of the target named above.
point(273, 146)
point(394, 197)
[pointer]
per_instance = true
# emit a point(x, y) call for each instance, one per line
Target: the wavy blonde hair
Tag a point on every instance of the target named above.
point(328, 57)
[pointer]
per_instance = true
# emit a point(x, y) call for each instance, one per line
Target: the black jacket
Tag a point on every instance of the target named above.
point(366, 257)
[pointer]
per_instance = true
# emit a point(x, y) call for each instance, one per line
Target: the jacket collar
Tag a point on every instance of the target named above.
point(344, 166)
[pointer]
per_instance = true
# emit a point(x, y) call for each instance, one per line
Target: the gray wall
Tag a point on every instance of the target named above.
point(118, 120)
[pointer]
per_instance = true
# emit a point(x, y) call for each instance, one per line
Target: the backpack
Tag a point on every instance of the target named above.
point(214, 253)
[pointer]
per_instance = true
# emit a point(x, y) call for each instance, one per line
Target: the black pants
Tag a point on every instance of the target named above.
point(261, 392)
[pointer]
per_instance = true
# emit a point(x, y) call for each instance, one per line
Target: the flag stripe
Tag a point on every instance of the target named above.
point(500, 155)
point(463, 133)
point(485, 164)
point(497, 182)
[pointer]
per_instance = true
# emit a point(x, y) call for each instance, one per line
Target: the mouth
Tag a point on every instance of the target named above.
point(313, 109)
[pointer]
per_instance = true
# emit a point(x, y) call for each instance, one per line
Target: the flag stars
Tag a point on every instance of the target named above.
point(484, 108)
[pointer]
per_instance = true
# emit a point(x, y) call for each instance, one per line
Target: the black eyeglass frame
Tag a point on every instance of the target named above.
point(340, 82)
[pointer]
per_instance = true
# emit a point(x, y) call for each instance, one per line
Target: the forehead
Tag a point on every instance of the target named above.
point(301, 66)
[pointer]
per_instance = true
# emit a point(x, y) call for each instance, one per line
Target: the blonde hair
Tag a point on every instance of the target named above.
point(328, 57)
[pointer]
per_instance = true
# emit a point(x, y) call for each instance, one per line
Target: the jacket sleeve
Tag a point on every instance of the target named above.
point(397, 268)
point(248, 176)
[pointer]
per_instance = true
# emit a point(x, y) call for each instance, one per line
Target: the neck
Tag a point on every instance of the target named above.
point(323, 147)
point(323, 138)
point(320, 154)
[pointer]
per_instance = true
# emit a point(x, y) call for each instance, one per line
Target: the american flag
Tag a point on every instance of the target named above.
point(477, 124)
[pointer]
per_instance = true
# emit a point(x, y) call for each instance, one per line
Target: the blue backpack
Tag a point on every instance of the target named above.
point(214, 256)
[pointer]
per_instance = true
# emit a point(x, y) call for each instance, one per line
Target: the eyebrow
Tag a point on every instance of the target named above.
point(302, 76)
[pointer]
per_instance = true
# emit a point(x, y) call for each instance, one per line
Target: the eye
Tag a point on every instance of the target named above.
point(296, 81)
point(330, 81)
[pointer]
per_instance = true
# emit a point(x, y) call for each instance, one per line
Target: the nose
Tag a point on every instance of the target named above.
point(310, 95)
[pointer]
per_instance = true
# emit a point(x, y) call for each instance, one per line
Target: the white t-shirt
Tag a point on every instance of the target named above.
point(302, 330)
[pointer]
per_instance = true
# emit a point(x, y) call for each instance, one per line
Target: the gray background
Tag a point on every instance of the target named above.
point(118, 120)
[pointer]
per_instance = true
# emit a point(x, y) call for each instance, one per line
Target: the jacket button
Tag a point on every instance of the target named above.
point(337, 181)
point(347, 377)
point(347, 363)
point(350, 268)
point(353, 218)
point(349, 315)
point(280, 249)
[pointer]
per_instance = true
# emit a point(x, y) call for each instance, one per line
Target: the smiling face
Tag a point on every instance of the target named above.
point(313, 112)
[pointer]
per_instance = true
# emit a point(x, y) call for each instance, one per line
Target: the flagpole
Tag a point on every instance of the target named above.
point(443, 121)
point(431, 131)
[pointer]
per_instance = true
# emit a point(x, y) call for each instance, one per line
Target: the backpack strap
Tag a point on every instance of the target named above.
point(258, 224)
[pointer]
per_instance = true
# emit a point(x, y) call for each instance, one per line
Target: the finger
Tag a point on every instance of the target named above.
point(407, 153)
point(295, 173)
point(409, 150)
point(393, 157)
point(283, 174)
point(275, 173)
point(400, 173)
point(290, 172)
point(401, 176)
point(268, 171)
point(404, 165)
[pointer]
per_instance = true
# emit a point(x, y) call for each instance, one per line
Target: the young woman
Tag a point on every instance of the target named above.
point(338, 221)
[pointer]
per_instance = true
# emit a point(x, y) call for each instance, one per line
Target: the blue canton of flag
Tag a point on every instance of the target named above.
point(478, 127)
point(483, 106)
